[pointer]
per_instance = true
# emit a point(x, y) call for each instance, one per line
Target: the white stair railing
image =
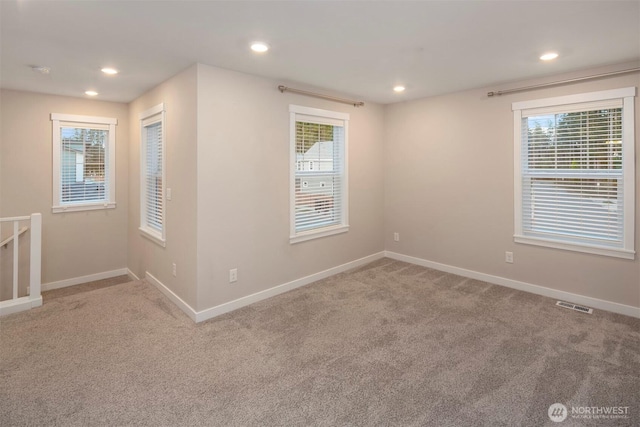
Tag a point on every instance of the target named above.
point(34, 297)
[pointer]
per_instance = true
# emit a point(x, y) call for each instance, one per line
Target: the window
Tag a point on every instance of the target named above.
point(319, 144)
point(574, 172)
point(84, 162)
point(152, 174)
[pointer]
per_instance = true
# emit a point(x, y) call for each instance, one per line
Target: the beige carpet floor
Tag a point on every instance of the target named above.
point(386, 344)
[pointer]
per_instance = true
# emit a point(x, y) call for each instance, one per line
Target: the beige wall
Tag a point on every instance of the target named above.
point(439, 171)
point(74, 244)
point(243, 187)
point(179, 97)
point(449, 192)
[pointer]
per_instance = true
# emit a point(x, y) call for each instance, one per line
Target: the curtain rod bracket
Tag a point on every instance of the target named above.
point(284, 89)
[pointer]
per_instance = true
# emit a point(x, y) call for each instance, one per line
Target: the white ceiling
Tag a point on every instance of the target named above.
point(359, 48)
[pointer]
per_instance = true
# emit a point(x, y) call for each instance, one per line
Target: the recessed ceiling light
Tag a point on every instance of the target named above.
point(549, 56)
point(398, 89)
point(259, 47)
point(91, 93)
point(109, 71)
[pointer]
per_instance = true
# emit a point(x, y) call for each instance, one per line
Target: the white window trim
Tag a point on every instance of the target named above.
point(628, 119)
point(63, 119)
point(148, 117)
point(321, 116)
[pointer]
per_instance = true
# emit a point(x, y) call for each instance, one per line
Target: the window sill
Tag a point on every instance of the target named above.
point(596, 250)
point(83, 207)
point(153, 236)
point(318, 233)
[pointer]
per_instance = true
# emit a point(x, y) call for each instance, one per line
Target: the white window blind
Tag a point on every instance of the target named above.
point(85, 176)
point(152, 207)
point(573, 176)
point(84, 162)
point(319, 173)
point(153, 176)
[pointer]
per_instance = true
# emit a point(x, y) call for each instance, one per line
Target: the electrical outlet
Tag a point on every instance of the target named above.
point(508, 257)
point(233, 275)
point(168, 194)
point(396, 237)
point(174, 269)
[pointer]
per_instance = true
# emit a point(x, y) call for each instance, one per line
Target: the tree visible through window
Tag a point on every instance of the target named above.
point(573, 185)
point(84, 162)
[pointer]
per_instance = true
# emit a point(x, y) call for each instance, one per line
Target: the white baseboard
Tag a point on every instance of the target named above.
point(172, 296)
point(19, 304)
point(132, 275)
point(84, 279)
point(614, 307)
point(276, 290)
point(209, 313)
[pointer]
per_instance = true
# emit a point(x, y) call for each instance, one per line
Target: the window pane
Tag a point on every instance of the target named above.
point(83, 174)
point(318, 167)
point(318, 202)
point(580, 208)
point(575, 141)
point(572, 176)
point(153, 176)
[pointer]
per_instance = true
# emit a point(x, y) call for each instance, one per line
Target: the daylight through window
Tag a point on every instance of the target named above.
point(574, 183)
point(319, 173)
point(152, 180)
point(84, 162)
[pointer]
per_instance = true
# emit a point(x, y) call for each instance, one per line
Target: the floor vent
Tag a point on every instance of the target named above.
point(580, 308)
